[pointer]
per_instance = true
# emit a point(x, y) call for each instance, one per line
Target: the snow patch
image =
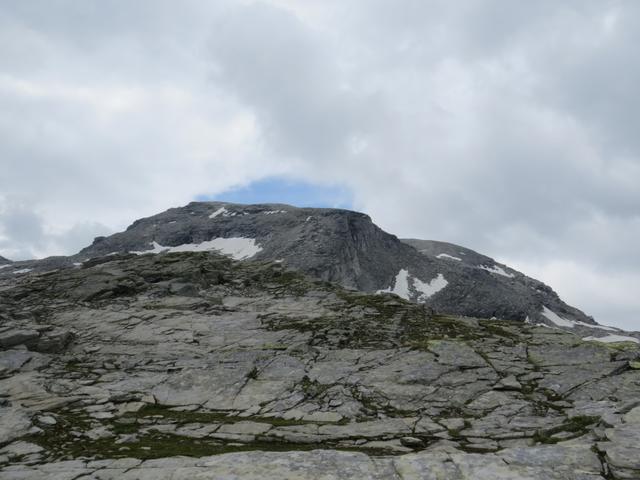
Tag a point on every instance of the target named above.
point(429, 289)
point(272, 212)
point(155, 248)
point(498, 270)
point(23, 270)
point(400, 285)
point(601, 327)
point(225, 213)
point(611, 339)
point(448, 257)
point(557, 319)
point(220, 211)
point(5, 266)
point(238, 248)
point(563, 322)
point(403, 280)
point(308, 218)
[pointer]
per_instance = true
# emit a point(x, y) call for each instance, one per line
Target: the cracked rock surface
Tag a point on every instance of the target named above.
point(191, 365)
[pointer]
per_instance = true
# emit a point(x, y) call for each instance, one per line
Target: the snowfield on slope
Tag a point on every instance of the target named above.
point(400, 285)
point(448, 257)
point(563, 322)
point(220, 211)
point(557, 319)
point(22, 270)
point(497, 270)
point(404, 280)
point(611, 339)
point(238, 248)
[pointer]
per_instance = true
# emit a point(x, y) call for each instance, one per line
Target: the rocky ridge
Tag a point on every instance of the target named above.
point(192, 365)
point(344, 247)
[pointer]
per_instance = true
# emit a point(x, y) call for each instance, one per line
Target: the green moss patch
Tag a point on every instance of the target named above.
point(578, 426)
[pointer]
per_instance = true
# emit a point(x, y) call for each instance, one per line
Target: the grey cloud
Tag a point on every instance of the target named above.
point(122, 124)
point(274, 63)
point(23, 225)
point(75, 239)
point(23, 234)
point(598, 83)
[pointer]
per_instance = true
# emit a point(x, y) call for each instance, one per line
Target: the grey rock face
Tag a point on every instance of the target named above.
point(44, 341)
point(13, 337)
point(519, 296)
point(561, 464)
point(338, 246)
point(256, 371)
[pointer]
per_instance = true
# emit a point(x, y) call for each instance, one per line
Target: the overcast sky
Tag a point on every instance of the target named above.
point(510, 127)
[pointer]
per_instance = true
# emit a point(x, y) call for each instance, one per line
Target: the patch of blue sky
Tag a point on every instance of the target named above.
point(285, 190)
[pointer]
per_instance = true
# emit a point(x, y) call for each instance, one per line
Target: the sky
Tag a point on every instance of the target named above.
point(507, 127)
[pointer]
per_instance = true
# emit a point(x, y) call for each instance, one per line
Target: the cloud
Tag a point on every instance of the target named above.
point(273, 63)
point(109, 124)
point(24, 234)
point(507, 127)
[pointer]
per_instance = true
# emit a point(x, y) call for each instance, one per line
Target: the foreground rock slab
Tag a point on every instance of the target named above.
point(191, 365)
point(546, 463)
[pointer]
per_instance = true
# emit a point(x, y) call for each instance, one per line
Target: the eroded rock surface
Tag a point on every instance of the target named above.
point(191, 365)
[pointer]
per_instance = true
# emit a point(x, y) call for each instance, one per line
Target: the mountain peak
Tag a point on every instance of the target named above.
point(345, 247)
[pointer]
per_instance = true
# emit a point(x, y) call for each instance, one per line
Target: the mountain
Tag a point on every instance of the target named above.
point(4, 261)
point(345, 247)
point(501, 285)
point(183, 365)
point(348, 248)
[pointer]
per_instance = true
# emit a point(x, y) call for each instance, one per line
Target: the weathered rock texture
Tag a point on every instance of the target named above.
point(192, 365)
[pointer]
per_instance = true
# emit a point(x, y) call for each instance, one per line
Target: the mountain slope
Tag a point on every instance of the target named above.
point(340, 246)
point(348, 248)
point(511, 285)
point(192, 365)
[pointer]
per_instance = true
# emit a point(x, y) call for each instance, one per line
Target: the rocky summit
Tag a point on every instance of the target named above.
point(214, 350)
